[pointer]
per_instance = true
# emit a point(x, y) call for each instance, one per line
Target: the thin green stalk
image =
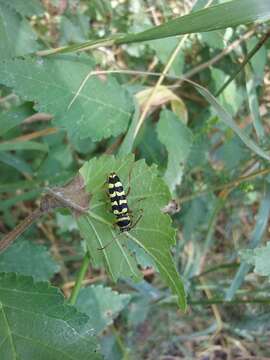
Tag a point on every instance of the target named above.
point(124, 350)
point(231, 302)
point(221, 267)
point(246, 60)
point(212, 300)
point(80, 277)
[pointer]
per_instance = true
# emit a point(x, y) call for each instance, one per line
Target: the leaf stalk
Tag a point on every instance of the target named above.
point(78, 283)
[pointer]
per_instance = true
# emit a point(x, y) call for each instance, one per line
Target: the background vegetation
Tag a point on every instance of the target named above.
point(179, 106)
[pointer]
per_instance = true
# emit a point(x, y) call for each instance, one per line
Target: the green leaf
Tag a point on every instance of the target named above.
point(228, 14)
point(17, 36)
point(101, 305)
point(30, 259)
point(99, 109)
point(153, 233)
point(36, 324)
point(115, 257)
point(25, 8)
point(214, 39)
point(258, 257)
point(149, 147)
point(177, 138)
point(163, 49)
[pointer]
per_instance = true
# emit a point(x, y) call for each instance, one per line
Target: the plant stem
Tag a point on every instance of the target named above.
point(80, 277)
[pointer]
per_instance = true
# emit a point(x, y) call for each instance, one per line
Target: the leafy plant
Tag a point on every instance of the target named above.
point(176, 103)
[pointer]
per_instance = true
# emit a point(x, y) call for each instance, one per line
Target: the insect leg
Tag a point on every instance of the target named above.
point(138, 219)
point(104, 247)
point(110, 242)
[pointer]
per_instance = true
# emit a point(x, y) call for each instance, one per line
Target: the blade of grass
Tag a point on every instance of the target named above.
point(228, 14)
point(88, 45)
point(253, 102)
point(30, 195)
point(23, 145)
point(22, 185)
point(221, 16)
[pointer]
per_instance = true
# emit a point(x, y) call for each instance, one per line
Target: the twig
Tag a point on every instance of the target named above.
point(72, 196)
point(35, 135)
point(219, 56)
point(37, 117)
point(46, 205)
point(231, 184)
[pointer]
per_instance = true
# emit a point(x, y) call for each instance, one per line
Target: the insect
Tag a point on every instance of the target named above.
point(119, 205)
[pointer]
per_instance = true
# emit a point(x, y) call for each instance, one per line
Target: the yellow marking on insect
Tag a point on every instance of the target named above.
point(111, 186)
point(118, 184)
point(120, 193)
point(123, 218)
point(118, 212)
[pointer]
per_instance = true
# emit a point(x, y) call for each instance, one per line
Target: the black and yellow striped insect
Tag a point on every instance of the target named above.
point(119, 203)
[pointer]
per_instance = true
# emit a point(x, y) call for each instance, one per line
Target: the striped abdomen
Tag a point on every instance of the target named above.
point(119, 202)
